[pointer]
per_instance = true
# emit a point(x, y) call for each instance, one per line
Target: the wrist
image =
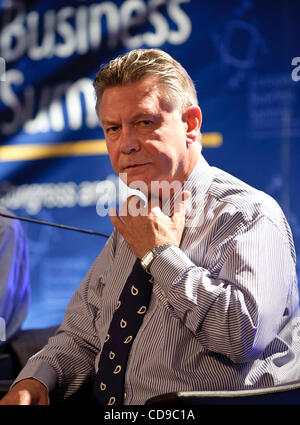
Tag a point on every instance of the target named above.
point(31, 391)
point(152, 254)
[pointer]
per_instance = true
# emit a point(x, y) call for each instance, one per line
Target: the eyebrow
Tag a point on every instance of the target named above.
point(111, 123)
point(156, 116)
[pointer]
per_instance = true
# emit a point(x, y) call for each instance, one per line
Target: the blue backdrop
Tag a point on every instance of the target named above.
point(244, 58)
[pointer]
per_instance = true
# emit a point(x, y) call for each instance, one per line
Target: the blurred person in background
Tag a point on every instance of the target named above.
point(14, 276)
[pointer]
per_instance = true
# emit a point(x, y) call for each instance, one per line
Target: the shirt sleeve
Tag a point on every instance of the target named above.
point(235, 306)
point(68, 360)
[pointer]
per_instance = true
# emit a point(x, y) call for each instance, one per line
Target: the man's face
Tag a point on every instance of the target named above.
point(145, 138)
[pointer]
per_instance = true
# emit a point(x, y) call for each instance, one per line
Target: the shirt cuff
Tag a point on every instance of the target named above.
point(41, 371)
point(168, 266)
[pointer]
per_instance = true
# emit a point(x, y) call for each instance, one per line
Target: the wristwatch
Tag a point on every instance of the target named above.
point(150, 256)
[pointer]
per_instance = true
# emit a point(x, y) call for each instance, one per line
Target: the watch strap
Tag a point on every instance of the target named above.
point(150, 256)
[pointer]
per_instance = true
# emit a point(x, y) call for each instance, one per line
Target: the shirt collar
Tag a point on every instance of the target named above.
point(197, 184)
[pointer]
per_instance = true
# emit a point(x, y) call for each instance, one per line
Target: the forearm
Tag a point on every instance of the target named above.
point(68, 360)
point(202, 303)
point(63, 365)
point(41, 371)
point(229, 312)
point(27, 392)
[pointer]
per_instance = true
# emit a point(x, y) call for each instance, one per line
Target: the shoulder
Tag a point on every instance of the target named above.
point(104, 260)
point(10, 228)
point(236, 196)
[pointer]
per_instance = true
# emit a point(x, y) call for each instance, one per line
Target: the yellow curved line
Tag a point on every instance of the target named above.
point(212, 140)
point(32, 152)
point(80, 148)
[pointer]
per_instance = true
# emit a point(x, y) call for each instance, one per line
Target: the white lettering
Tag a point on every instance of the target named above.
point(97, 11)
point(34, 197)
point(8, 97)
point(87, 193)
point(74, 108)
point(182, 20)
point(81, 20)
point(13, 39)
point(56, 113)
point(41, 123)
point(66, 31)
point(160, 35)
point(133, 13)
point(296, 71)
point(2, 70)
point(107, 197)
point(79, 29)
point(46, 112)
point(36, 52)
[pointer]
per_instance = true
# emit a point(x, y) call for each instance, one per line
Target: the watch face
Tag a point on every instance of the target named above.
point(150, 256)
point(147, 260)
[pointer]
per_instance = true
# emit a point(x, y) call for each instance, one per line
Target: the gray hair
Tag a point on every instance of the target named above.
point(131, 67)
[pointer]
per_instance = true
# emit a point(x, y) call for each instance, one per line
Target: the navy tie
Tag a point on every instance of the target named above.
point(127, 319)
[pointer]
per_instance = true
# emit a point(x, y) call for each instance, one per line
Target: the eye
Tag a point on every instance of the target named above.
point(145, 123)
point(112, 129)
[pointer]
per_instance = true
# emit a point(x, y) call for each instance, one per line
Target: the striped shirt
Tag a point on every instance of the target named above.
point(224, 312)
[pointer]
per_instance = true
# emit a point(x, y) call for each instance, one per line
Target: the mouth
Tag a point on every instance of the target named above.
point(135, 166)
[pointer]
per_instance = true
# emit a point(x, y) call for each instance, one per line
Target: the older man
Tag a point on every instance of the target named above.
point(217, 305)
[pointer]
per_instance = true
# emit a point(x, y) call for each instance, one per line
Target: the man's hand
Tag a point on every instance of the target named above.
point(29, 391)
point(148, 227)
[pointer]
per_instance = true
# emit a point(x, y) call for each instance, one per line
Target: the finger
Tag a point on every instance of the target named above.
point(154, 204)
point(123, 209)
point(135, 206)
point(115, 219)
point(25, 398)
point(186, 194)
point(113, 212)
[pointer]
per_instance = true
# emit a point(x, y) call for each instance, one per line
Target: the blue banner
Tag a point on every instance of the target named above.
point(244, 58)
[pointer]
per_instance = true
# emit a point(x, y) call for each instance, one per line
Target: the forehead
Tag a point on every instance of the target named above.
point(145, 94)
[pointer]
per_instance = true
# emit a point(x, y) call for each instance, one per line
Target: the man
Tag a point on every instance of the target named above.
point(224, 312)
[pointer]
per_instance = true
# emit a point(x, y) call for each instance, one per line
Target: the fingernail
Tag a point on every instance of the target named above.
point(186, 195)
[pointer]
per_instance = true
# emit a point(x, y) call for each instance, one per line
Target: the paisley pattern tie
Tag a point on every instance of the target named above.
point(127, 319)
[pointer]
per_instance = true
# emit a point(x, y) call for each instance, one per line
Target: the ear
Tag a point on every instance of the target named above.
point(192, 117)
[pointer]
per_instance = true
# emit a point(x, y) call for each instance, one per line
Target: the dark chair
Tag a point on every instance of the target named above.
point(5, 386)
point(288, 394)
point(7, 372)
point(15, 353)
point(7, 366)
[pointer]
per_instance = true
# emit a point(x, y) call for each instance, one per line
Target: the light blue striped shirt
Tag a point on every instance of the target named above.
point(224, 313)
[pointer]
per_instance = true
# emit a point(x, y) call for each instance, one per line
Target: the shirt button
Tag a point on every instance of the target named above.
point(162, 292)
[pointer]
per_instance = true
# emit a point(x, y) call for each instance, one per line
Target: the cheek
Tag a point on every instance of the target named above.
point(113, 155)
point(160, 155)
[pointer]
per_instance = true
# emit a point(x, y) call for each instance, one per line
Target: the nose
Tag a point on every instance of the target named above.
point(129, 141)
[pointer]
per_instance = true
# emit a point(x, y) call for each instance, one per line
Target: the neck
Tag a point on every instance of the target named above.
point(194, 152)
